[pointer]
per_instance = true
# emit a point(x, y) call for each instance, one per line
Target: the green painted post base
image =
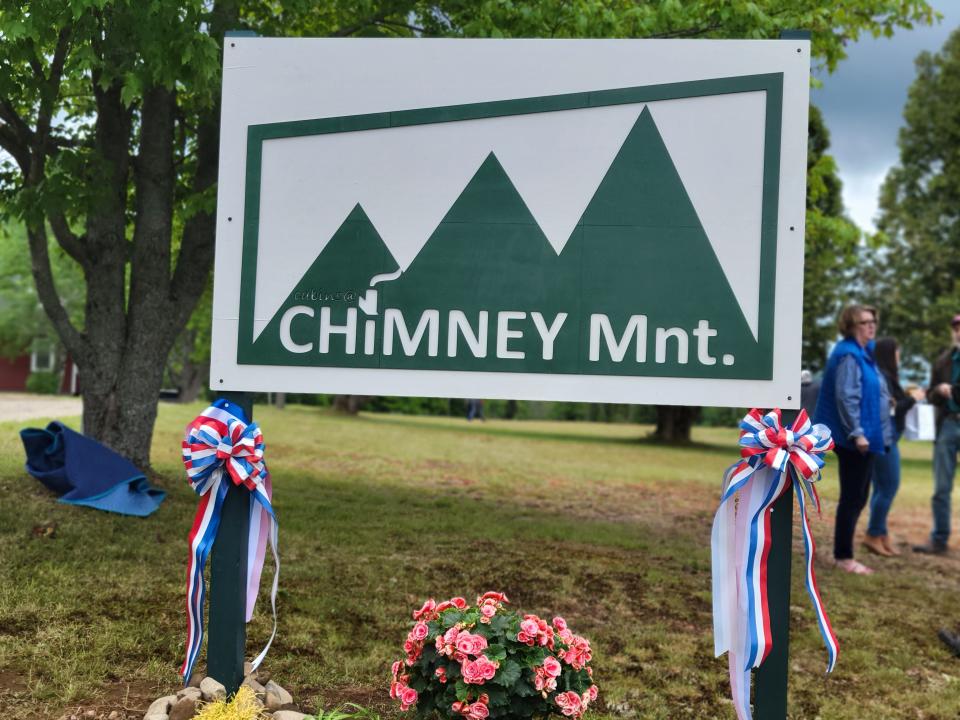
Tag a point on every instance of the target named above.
point(228, 577)
point(770, 679)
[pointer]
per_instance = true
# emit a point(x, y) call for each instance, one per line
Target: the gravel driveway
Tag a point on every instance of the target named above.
point(23, 406)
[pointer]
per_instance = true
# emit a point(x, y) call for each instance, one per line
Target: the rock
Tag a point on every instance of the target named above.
point(212, 690)
point(271, 687)
point(247, 668)
point(114, 715)
point(190, 692)
point(272, 702)
point(90, 714)
point(250, 681)
point(160, 708)
point(185, 709)
point(288, 715)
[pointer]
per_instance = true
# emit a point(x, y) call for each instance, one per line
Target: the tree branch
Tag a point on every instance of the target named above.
point(72, 244)
point(9, 114)
point(11, 143)
point(74, 341)
point(399, 25)
point(51, 92)
point(357, 27)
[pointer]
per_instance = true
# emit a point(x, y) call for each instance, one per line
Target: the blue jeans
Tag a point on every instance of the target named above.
point(944, 468)
point(886, 482)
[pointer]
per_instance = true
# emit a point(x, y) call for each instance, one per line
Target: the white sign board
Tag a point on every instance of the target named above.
point(591, 220)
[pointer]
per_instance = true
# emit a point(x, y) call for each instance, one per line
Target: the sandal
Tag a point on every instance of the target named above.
point(853, 566)
point(875, 544)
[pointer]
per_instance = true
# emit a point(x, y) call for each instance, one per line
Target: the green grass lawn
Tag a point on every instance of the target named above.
point(380, 512)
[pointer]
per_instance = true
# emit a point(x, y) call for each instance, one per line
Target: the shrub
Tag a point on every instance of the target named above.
point(43, 383)
point(471, 663)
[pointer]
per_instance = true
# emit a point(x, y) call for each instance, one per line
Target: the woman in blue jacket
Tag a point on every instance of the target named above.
point(855, 404)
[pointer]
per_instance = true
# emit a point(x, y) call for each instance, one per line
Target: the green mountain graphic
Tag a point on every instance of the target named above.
point(336, 279)
point(638, 249)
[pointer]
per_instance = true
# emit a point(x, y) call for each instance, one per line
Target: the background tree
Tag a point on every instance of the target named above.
point(109, 114)
point(830, 253)
point(914, 273)
point(22, 320)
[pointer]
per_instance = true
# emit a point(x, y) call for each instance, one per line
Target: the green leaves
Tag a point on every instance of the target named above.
point(495, 652)
point(508, 674)
point(913, 277)
point(449, 618)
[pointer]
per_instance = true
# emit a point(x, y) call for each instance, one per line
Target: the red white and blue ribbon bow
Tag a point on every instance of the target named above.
point(773, 458)
point(220, 447)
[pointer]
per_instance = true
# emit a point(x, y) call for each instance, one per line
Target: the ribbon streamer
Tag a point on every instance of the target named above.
point(221, 447)
point(774, 458)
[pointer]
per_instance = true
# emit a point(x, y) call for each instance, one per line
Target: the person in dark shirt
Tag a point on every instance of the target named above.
point(944, 394)
point(809, 392)
point(886, 467)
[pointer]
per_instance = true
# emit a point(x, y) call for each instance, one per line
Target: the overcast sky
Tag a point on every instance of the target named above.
point(862, 104)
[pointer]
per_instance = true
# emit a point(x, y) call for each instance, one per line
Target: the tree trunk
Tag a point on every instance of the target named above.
point(281, 401)
point(349, 404)
point(120, 411)
point(674, 422)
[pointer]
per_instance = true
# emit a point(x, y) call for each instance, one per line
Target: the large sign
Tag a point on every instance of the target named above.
point(615, 221)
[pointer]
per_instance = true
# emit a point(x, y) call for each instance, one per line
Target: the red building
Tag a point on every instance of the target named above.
point(14, 372)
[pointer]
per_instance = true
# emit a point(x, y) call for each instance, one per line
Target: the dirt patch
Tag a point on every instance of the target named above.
point(22, 406)
point(129, 700)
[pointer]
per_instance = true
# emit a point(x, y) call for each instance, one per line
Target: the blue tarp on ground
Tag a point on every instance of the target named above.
point(84, 472)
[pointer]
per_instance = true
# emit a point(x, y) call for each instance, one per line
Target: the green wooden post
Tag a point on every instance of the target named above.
point(227, 638)
point(770, 679)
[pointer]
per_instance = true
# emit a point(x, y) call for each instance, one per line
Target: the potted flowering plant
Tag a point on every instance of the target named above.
point(488, 661)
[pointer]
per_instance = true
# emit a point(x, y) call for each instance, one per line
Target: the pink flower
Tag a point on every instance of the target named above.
point(428, 607)
point(529, 626)
point(578, 654)
point(551, 666)
point(476, 672)
point(441, 674)
point(471, 673)
point(471, 644)
point(496, 597)
point(488, 610)
point(419, 631)
point(477, 711)
point(459, 603)
point(593, 692)
point(395, 689)
point(559, 623)
point(566, 635)
point(395, 668)
point(570, 703)
point(408, 697)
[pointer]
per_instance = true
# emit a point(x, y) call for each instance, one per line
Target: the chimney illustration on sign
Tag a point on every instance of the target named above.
point(368, 301)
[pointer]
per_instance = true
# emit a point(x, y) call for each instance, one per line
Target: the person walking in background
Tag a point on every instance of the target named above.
point(809, 392)
point(886, 467)
point(944, 393)
point(474, 409)
point(854, 403)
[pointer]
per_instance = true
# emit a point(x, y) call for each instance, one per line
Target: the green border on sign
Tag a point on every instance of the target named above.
point(770, 83)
